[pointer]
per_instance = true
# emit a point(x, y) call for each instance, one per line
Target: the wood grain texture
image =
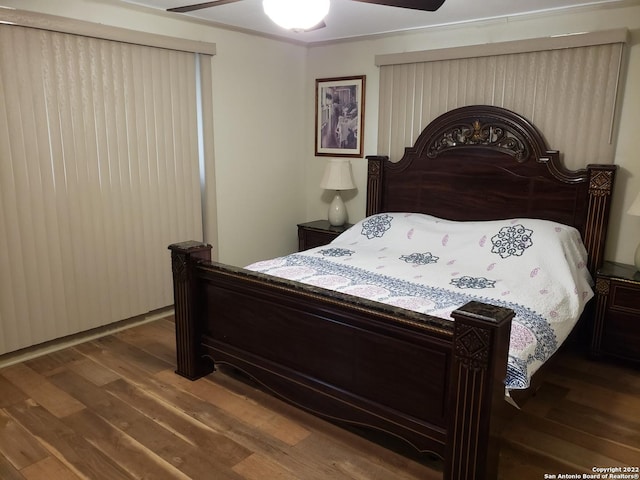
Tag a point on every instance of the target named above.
point(114, 409)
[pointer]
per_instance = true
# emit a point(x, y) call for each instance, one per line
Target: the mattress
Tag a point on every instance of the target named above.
point(431, 265)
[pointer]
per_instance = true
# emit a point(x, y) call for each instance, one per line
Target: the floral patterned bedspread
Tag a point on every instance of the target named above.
point(431, 265)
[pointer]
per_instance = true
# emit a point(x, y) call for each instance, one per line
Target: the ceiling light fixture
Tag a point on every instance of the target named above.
point(296, 15)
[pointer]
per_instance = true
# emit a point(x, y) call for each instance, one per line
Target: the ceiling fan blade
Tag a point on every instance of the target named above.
point(200, 6)
point(426, 5)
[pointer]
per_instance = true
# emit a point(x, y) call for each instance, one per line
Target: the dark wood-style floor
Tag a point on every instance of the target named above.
point(113, 409)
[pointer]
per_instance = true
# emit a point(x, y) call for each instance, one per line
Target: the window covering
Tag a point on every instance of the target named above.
point(569, 92)
point(98, 174)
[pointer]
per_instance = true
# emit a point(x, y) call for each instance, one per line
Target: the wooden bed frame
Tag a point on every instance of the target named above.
point(437, 384)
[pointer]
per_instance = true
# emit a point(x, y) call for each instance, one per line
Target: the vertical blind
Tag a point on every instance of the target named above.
point(568, 93)
point(98, 174)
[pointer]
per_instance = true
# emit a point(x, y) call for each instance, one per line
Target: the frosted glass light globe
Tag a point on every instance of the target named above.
point(296, 14)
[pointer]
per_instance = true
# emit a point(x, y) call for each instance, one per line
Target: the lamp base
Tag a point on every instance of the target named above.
point(337, 211)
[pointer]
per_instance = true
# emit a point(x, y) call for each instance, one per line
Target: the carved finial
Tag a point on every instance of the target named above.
point(478, 135)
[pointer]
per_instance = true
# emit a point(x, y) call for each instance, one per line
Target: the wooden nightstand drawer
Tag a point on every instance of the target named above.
point(315, 239)
point(625, 297)
point(621, 336)
point(317, 233)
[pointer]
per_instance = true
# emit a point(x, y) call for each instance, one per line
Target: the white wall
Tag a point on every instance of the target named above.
point(267, 175)
point(259, 142)
point(357, 58)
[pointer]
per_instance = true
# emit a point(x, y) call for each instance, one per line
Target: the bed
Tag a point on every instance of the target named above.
point(436, 383)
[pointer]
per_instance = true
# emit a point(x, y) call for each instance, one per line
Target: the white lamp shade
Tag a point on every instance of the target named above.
point(296, 14)
point(337, 175)
point(634, 209)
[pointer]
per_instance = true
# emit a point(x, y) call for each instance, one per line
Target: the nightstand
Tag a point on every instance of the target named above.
point(317, 233)
point(616, 323)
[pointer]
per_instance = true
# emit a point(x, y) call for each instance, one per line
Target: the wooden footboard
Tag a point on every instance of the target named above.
point(434, 383)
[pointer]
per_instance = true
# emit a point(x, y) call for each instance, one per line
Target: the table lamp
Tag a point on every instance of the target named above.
point(337, 176)
point(634, 209)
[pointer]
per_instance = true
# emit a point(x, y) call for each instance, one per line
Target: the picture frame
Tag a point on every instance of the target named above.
point(340, 116)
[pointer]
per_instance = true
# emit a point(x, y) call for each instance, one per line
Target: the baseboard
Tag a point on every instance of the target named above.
point(34, 351)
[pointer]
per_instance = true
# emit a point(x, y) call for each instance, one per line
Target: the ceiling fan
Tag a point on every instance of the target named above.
point(424, 5)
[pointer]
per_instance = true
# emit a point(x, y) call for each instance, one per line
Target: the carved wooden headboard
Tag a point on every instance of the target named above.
point(486, 163)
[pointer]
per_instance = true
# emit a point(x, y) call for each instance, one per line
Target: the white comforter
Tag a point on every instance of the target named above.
point(430, 265)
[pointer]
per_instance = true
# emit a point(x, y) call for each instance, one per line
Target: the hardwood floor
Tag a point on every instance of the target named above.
point(113, 409)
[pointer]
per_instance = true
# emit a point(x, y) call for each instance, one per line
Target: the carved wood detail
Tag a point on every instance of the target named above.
point(494, 135)
point(601, 182)
point(374, 180)
point(472, 346)
point(179, 266)
point(602, 286)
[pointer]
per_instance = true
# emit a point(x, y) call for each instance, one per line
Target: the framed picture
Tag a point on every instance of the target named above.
point(339, 116)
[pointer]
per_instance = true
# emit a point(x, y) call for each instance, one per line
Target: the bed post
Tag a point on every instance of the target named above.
point(189, 362)
point(374, 183)
point(601, 179)
point(476, 395)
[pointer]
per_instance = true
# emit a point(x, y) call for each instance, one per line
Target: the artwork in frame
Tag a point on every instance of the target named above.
point(339, 116)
